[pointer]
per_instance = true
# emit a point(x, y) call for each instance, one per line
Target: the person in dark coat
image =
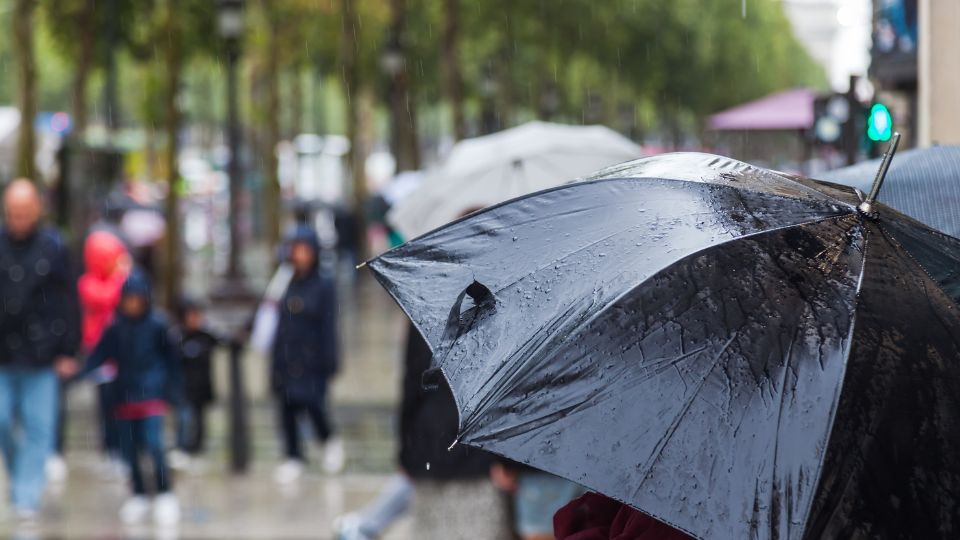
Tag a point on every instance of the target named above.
point(305, 356)
point(148, 379)
point(39, 333)
point(443, 477)
point(196, 347)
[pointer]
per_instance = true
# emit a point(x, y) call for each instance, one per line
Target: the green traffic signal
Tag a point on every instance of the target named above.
point(879, 123)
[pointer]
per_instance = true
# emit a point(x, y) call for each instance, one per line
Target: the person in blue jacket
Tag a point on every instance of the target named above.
point(305, 356)
point(148, 378)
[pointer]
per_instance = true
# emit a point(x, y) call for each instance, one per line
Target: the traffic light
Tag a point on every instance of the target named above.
point(879, 123)
point(830, 113)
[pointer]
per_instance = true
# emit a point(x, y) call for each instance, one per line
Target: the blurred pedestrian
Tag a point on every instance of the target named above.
point(535, 497)
point(148, 378)
point(453, 496)
point(107, 264)
point(38, 333)
point(305, 357)
point(196, 345)
point(372, 522)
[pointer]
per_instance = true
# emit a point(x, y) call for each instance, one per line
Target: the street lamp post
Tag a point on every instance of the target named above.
point(392, 62)
point(230, 23)
point(233, 291)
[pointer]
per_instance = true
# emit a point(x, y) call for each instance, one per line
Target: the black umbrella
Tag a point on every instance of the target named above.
point(737, 352)
point(923, 183)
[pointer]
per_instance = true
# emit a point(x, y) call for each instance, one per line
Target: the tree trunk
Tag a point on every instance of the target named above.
point(271, 179)
point(26, 87)
point(85, 50)
point(173, 60)
point(454, 75)
point(350, 78)
point(402, 106)
point(296, 101)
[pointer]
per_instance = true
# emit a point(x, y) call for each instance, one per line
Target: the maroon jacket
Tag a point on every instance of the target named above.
point(596, 517)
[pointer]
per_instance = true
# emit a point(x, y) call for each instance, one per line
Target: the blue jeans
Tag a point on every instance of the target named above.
point(392, 503)
point(144, 435)
point(539, 495)
point(28, 429)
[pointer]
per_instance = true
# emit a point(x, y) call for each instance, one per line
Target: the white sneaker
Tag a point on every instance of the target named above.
point(25, 515)
point(179, 460)
point(333, 456)
point(288, 472)
point(134, 510)
point(347, 527)
point(56, 469)
point(166, 509)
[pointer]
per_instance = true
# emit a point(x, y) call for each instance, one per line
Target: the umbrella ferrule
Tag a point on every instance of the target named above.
point(866, 207)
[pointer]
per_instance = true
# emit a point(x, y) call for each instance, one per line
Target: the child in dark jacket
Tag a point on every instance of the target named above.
point(148, 377)
point(197, 345)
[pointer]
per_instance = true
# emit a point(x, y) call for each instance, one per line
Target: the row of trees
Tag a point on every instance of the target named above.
point(408, 71)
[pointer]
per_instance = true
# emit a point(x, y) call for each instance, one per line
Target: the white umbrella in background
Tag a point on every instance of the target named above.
point(494, 168)
point(401, 186)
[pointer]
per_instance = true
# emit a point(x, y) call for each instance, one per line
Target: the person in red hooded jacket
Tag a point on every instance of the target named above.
point(107, 264)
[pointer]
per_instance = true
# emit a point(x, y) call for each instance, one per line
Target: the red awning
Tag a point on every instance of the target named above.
point(790, 109)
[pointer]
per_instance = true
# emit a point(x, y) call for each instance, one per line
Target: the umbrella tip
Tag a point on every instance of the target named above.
point(360, 266)
point(866, 207)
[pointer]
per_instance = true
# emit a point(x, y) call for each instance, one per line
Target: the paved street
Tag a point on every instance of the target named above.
point(217, 505)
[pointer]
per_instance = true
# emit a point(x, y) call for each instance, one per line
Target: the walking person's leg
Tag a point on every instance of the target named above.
point(392, 503)
point(199, 428)
point(129, 436)
point(184, 425)
point(62, 419)
point(289, 416)
point(8, 393)
point(111, 434)
point(36, 406)
point(292, 466)
point(166, 507)
point(56, 466)
point(151, 430)
point(333, 453)
point(130, 440)
point(317, 409)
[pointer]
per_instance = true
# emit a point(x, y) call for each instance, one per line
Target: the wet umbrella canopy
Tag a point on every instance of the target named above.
point(737, 352)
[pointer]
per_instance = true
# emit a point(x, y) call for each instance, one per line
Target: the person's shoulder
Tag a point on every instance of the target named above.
point(51, 238)
point(160, 320)
point(50, 234)
point(112, 328)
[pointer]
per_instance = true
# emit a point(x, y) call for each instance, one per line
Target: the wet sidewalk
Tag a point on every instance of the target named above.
point(215, 506)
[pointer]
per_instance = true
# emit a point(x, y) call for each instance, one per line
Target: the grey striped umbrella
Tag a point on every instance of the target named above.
point(922, 183)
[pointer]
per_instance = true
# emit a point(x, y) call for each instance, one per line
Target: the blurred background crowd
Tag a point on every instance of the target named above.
point(235, 146)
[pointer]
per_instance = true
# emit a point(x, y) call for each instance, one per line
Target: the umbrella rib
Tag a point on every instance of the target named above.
point(836, 401)
point(675, 423)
